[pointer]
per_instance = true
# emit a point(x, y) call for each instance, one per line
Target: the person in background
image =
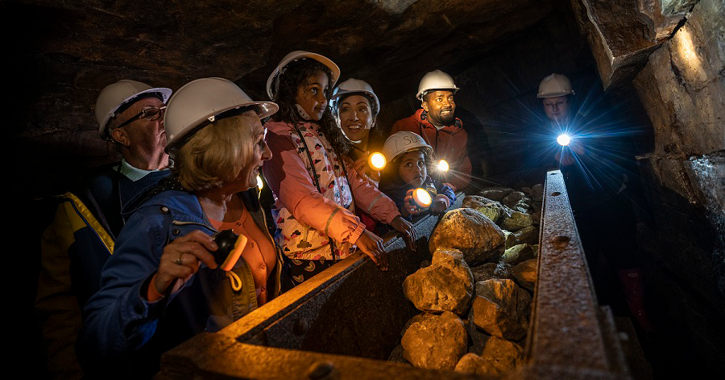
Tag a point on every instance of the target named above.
point(356, 107)
point(81, 237)
point(163, 284)
point(600, 189)
point(436, 122)
point(316, 194)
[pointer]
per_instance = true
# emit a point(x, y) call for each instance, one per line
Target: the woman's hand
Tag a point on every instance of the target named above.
point(363, 169)
point(372, 245)
point(406, 230)
point(181, 259)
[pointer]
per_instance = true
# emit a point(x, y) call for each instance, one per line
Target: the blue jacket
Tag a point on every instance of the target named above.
point(123, 334)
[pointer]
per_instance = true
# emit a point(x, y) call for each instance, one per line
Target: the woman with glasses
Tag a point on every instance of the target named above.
point(316, 194)
point(167, 280)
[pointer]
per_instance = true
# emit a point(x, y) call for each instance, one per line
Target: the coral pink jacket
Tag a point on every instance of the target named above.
point(307, 218)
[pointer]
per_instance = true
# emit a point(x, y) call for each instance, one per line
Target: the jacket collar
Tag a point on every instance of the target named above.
point(422, 117)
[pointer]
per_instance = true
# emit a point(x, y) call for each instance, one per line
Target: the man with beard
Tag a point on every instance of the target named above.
point(437, 124)
point(81, 237)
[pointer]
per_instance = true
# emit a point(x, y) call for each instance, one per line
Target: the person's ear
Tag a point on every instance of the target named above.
point(424, 104)
point(120, 136)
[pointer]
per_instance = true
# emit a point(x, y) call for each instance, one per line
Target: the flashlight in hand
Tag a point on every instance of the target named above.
point(230, 249)
point(422, 197)
point(563, 139)
point(377, 161)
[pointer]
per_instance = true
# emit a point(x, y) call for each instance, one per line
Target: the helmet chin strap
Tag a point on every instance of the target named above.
point(302, 112)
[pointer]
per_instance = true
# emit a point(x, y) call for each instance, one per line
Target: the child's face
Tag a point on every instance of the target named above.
point(311, 95)
point(412, 168)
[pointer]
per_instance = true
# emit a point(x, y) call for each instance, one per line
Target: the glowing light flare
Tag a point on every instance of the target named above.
point(377, 161)
point(422, 197)
point(260, 183)
point(443, 166)
point(563, 139)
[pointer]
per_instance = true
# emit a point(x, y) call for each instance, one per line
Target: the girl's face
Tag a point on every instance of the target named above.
point(311, 95)
point(412, 169)
point(355, 117)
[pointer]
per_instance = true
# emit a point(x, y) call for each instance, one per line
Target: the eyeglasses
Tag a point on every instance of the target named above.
point(152, 114)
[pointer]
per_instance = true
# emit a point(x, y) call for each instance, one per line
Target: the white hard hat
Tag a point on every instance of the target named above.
point(403, 142)
point(354, 86)
point(115, 95)
point(199, 101)
point(273, 80)
point(553, 86)
point(435, 80)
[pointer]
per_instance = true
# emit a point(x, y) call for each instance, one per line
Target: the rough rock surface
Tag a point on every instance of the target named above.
point(518, 254)
point(513, 198)
point(501, 308)
point(492, 209)
point(496, 193)
point(502, 355)
point(492, 270)
point(516, 221)
point(436, 343)
point(527, 235)
point(526, 274)
point(445, 285)
point(473, 364)
point(476, 236)
point(510, 239)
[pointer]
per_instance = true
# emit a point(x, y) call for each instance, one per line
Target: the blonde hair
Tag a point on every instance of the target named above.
point(215, 154)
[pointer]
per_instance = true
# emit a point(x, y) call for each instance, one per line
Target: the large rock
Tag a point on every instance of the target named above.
point(525, 274)
point(445, 285)
point(518, 254)
point(516, 221)
point(498, 357)
point(501, 308)
point(513, 198)
point(436, 343)
point(496, 193)
point(501, 355)
point(492, 270)
point(492, 209)
point(510, 239)
point(527, 235)
point(476, 236)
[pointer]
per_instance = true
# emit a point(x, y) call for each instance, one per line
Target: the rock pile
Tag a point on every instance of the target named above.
point(476, 293)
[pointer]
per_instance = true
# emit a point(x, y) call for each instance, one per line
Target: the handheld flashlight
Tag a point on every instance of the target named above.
point(260, 183)
point(230, 249)
point(422, 197)
point(377, 161)
point(563, 139)
point(443, 166)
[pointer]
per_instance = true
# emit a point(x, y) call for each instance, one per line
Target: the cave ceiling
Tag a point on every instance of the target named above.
point(88, 44)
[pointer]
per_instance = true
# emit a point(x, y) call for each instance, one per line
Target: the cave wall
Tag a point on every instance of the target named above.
point(682, 87)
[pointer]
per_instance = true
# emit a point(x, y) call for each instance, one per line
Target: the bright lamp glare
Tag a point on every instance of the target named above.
point(377, 161)
point(422, 197)
point(260, 183)
point(443, 166)
point(563, 139)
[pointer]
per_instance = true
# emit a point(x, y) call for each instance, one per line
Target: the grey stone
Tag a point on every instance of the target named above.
point(496, 194)
point(492, 270)
point(527, 235)
point(516, 221)
point(513, 198)
point(526, 274)
point(501, 308)
point(510, 239)
point(476, 236)
point(518, 254)
point(445, 285)
point(436, 343)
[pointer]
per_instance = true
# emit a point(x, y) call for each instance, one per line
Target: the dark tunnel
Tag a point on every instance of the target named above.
point(653, 69)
